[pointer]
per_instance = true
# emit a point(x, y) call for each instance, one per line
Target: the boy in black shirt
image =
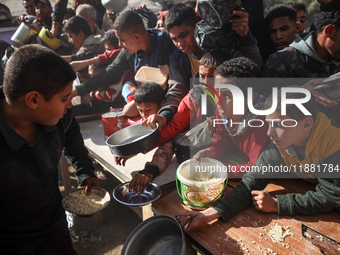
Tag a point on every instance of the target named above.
point(36, 126)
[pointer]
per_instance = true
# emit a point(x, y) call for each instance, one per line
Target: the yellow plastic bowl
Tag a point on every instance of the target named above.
point(49, 39)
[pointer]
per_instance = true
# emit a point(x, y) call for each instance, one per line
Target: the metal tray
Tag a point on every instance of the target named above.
point(133, 140)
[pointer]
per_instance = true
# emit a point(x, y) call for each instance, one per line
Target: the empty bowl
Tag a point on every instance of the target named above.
point(150, 194)
point(150, 74)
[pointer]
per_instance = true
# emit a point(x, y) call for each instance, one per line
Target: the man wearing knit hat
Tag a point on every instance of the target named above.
point(43, 10)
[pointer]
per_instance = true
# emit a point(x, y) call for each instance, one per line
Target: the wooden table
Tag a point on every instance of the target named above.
point(93, 135)
point(247, 232)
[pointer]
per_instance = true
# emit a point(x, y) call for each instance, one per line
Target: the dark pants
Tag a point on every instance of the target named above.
point(59, 242)
point(56, 241)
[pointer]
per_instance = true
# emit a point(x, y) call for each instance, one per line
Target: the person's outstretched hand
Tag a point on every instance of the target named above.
point(141, 7)
point(264, 202)
point(139, 182)
point(240, 23)
point(204, 153)
point(195, 219)
point(122, 160)
point(55, 28)
point(78, 65)
point(165, 70)
point(112, 15)
point(151, 121)
point(88, 183)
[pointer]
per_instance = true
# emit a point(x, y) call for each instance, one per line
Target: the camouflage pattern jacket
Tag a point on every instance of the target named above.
point(299, 60)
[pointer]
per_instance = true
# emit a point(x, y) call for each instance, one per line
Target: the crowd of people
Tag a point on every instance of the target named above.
point(105, 49)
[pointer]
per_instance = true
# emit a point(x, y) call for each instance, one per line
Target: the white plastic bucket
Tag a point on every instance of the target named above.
point(201, 193)
point(24, 35)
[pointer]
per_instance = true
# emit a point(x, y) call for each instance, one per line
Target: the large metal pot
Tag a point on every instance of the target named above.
point(160, 234)
point(24, 35)
point(217, 13)
point(132, 140)
point(330, 87)
point(115, 5)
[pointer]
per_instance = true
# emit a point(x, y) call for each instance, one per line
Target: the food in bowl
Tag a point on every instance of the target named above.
point(77, 202)
point(199, 185)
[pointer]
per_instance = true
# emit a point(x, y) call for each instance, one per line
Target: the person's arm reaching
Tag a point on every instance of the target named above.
point(240, 197)
point(193, 219)
point(81, 64)
point(235, 200)
point(325, 198)
point(58, 16)
point(179, 83)
point(123, 62)
point(76, 152)
point(247, 42)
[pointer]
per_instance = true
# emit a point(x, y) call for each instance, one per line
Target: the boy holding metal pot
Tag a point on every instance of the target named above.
point(188, 112)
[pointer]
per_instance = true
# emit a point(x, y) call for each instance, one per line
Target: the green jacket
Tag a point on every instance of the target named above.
point(326, 196)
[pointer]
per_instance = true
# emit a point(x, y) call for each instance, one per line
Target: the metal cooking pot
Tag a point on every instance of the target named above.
point(115, 5)
point(330, 87)
point(218, 13)
point(24, 35)
point(133, 140)
point(332, 92)
point(160, 234)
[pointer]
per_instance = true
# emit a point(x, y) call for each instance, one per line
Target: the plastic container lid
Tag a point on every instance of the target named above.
point(150, 74)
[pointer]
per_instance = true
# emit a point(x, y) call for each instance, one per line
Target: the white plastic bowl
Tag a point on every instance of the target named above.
point(150, 74)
